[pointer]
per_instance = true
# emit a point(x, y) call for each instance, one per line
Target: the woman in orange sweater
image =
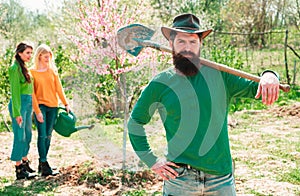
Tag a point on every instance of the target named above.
point(47, 90)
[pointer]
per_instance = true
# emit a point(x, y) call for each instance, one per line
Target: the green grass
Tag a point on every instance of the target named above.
point(140, 193)
point(90, 174)
point(134, 193)
point(292, 176)
point(247, 137)
point(257, 193)
point(270, 154)
point(4, 180)
point(30, 188)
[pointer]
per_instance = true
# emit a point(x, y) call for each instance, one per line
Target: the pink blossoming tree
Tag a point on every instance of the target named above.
point(96, 40)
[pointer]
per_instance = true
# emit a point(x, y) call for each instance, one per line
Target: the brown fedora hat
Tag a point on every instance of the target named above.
point(185, 23)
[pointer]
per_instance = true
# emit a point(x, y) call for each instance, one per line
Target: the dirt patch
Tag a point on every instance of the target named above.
point(87, 171)
point(282, 111)
point(86, 178)
point(83, 170)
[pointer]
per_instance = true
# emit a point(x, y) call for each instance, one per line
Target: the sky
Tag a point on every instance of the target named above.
point(34, 5)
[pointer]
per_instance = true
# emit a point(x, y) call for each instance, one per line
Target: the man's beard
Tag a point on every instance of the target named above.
point(187, 66)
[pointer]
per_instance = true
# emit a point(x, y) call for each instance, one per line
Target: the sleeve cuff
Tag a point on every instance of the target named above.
point(274, 72)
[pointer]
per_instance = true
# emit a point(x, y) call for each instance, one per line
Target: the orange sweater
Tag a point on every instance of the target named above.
point(47, 89)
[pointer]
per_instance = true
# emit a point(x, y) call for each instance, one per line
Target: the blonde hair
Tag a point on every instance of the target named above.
point(42, 49)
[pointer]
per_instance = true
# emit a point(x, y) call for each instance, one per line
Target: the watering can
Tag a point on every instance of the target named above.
point(65, 123)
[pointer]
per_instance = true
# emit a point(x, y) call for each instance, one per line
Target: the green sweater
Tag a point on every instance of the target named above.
point(18, 87)
point(194, 114)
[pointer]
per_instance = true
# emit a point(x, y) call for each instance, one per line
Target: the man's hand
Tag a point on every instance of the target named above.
point(164, 169)
point(268, 88)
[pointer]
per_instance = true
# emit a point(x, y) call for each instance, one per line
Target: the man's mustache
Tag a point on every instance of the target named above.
point(183, 53)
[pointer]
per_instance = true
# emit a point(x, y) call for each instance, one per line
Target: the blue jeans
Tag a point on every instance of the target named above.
point(194, 182)
point(23, 134)
point(45, 130)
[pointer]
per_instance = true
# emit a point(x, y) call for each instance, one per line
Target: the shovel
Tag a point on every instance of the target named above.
point(133, 38)
point(65, 123)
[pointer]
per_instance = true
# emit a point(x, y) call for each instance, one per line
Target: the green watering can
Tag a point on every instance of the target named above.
point(65, 123)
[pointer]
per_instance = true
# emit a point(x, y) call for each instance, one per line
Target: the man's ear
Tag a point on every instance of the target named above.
point(201, 41)
point(170, 43)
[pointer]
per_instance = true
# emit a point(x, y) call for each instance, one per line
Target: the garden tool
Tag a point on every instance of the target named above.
point(133, 38)
point(65, 123)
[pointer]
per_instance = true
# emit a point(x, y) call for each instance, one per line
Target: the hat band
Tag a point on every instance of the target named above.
point(186, 28)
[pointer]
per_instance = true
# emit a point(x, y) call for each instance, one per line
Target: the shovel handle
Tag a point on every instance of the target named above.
point(214, 65)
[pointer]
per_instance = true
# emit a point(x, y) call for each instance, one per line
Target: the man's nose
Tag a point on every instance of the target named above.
point(187, 47)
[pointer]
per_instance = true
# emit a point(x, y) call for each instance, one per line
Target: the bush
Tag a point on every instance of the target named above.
point(5, 62)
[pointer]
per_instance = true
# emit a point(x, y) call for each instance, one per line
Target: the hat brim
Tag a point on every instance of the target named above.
point(167, 30)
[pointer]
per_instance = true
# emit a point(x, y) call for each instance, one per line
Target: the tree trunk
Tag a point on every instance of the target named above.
point(124, 95)
point(285, 57)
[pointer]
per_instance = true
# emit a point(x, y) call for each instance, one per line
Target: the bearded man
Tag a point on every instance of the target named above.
point(192, 101)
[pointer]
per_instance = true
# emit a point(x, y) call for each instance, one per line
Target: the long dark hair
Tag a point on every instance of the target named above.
point(20, 48)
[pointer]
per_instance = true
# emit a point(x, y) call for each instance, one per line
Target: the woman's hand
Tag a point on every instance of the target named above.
point(19, 120)
point(40, 117)
point(68, 109)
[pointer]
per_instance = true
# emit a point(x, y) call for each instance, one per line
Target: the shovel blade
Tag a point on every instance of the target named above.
point(128, 37)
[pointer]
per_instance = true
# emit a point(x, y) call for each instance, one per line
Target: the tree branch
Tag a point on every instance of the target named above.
point(293, 51)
